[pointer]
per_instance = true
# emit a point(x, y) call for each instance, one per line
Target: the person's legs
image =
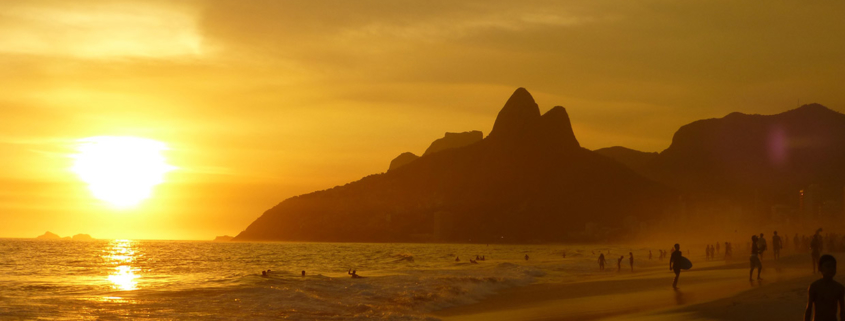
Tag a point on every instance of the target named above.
point(675, 283)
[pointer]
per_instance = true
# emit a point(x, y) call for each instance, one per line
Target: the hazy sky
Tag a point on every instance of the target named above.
point(263, 100)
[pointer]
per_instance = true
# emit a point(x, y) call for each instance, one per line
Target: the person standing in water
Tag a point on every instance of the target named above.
point(631, 260)
point(676, 255)
point(777, 244)
point(825, 295)
point(601, 262)
point(755, 261)
point(619, 263)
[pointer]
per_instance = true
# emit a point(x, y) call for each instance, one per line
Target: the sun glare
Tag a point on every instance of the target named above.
point(121, 170)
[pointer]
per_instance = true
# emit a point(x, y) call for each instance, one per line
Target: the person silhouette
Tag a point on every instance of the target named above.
point(816, 248)
point(457, 259)
point(755, 261)
point(526, 257)
point(825, 295)
point(303, 272)
point(676, 255)
point(601, 262)
point(761, 245)
point(619, 263)
point(631, 260)
point(777, 244)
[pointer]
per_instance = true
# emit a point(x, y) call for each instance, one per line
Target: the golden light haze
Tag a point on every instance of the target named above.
point(260, 101)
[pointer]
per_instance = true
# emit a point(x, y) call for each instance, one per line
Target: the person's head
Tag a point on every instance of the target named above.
point(776, 232)
point(754, 238)
point(677, 246)
point(761, 235)
point(827, 265)
point(630, 253)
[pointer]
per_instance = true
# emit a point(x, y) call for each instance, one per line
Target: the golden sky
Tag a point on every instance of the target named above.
point(258, 101)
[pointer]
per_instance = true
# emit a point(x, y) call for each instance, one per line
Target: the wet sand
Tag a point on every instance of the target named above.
point(714, 290)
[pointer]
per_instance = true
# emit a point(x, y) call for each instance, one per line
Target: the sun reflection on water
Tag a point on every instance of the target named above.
point(121, 255)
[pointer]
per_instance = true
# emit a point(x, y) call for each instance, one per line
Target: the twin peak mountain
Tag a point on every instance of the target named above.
point(528, 180)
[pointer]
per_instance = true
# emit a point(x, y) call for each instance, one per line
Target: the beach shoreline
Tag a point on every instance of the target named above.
point(713, 290)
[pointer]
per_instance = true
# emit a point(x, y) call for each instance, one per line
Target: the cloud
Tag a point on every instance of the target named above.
point(99, 29)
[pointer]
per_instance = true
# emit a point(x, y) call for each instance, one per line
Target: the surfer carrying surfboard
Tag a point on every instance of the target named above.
point(675, 264)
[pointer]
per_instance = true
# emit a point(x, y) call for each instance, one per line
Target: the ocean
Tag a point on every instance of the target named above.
point(191, 280)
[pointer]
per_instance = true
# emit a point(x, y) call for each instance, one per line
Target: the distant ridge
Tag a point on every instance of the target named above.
point(454, 140)
point(744, 157)
point(528, 181)
point(402, 160)
point(634, 159)
point(449, 141)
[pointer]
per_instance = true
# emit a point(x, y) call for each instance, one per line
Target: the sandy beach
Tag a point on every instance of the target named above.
point(712, 290)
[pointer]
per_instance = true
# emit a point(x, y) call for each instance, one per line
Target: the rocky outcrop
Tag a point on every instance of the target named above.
point(454, 140)
point(48, 236)
point(518, 119)
point(402, 160)
point(82, 237)
point(556, 128)
point(223, 238)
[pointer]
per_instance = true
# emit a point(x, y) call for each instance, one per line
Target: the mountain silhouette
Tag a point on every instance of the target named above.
point(449, 141)
point(454, 140)
point(528, 181)
point(634, 159)
point(402, 160)
point(743, 157)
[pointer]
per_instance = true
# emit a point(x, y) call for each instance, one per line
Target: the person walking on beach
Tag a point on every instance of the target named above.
point(761, 245)
point(825, 295)
point(676, 255)
point(755, 261)
point(601, 262)
point(777, 244)
point(619, 263)
point(631, 260)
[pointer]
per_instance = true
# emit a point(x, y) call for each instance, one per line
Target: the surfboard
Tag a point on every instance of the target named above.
point(683, 263)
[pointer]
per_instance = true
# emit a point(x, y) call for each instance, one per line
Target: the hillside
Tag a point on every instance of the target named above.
point(528, 181)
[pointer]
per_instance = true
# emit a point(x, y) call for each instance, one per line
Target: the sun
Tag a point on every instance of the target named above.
point(121, 170)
